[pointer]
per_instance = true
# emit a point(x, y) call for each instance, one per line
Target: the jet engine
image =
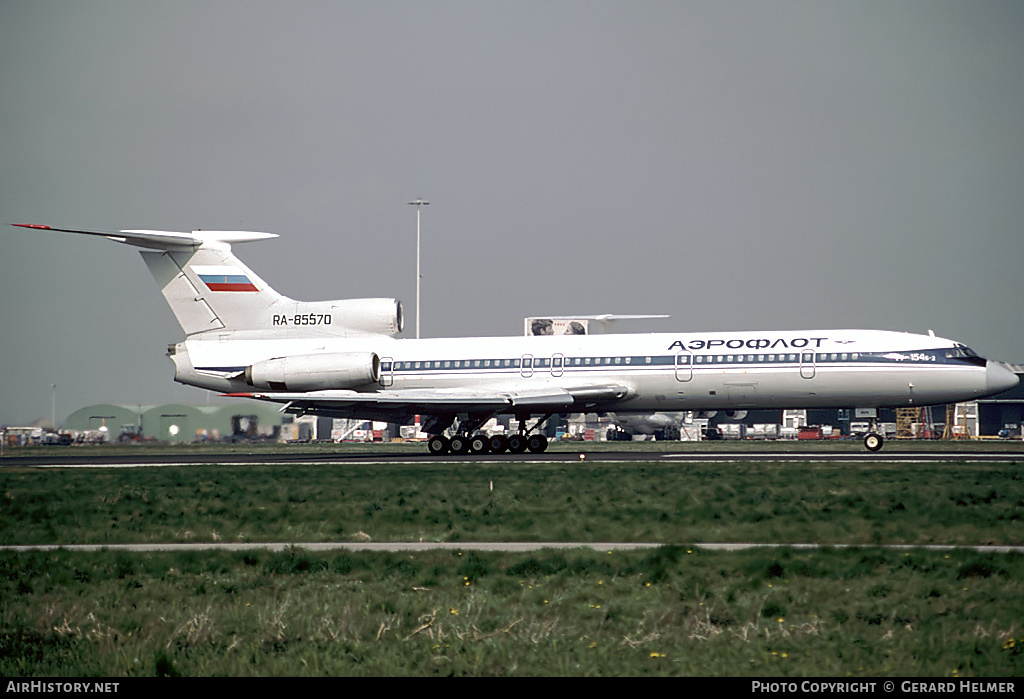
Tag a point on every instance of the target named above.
point(315, 372)
point(375, 316)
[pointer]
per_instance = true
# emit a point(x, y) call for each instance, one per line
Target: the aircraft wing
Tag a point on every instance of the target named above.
point(401, 405)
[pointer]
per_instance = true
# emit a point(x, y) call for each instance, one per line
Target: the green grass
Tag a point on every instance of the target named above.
point(675, 610)
point(656, 502)
point(672, 611)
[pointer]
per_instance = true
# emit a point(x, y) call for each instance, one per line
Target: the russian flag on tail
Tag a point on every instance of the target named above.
point(224, 278)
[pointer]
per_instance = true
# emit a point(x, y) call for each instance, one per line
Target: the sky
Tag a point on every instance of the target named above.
point(739, 165)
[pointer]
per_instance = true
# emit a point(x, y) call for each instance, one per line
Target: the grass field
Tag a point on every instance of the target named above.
point(466, 501)
point(676, 610)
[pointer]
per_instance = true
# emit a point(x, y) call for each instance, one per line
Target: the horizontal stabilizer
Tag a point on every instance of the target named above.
point(163, 240)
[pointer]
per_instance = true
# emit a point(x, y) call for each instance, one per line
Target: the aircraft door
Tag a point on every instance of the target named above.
point(807, 364)
point(557, 364)
point(684, 366)
point(387, 371)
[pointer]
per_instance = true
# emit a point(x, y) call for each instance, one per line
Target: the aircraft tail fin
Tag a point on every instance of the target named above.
point(206, 286)
point(209, 289)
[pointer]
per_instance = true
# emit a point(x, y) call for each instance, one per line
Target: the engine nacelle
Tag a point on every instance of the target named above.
point(377, 316)
point(315, 372)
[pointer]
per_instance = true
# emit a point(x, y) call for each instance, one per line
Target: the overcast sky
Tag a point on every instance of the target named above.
point(738, 165)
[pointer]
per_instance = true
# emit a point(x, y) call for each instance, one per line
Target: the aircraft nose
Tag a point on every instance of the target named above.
point(999, 378)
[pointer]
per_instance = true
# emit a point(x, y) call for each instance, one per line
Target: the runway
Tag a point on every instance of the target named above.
point(101, 458)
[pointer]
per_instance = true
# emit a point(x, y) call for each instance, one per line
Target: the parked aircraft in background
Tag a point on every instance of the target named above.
point(661, 425)
point(342, 359)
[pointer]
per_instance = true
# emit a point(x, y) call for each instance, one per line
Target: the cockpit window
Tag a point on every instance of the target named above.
point(961, 352)
point(965, 354)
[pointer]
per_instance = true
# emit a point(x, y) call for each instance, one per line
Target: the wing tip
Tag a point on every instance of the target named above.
point(37, 226)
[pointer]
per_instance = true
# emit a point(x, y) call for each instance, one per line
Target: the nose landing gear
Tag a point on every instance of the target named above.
point(873, 442)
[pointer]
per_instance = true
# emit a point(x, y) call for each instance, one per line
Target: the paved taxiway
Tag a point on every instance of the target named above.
point(101, 459)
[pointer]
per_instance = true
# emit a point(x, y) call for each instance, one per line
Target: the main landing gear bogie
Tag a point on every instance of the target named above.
point(439, 445)
point(469, 441)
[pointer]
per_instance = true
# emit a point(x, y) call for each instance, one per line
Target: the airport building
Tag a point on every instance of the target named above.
point(178, 422)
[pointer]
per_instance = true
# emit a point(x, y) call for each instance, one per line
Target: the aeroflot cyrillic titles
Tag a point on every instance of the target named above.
point(342, 359)
point(754, 344)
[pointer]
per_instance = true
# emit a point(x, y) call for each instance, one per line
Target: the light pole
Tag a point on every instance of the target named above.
point(419, 203)
point(53, 406)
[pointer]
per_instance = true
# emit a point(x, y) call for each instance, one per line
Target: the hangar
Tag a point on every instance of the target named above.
point(178, 422)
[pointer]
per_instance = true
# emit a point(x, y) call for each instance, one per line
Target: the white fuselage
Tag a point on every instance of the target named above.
point(662, 372)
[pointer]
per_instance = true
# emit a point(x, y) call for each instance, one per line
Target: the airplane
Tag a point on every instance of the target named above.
point(647, 424)
point(342, 359)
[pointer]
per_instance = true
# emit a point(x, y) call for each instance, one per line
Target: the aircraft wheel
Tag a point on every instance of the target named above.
point(479, 444)
point(517, 444)
point(438, 445)
point(537, 443)
point(499, 443)
point(459, 444)
point(873, 442)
